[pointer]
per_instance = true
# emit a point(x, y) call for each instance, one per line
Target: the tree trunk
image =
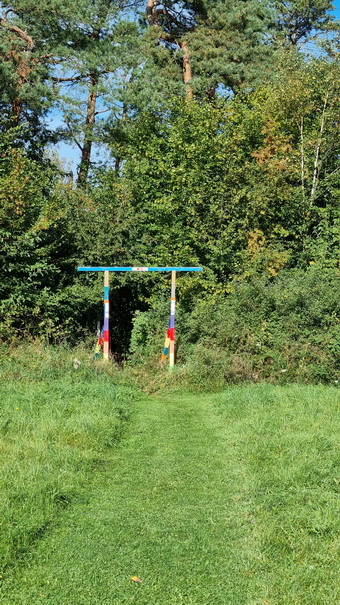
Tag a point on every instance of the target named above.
point(22, 62)
point(212, 92)
point(316, 168)
point(89, 127)
point(303, 170)
point(16, 111)
point(152, 17)
point(187, 73)
point(150, 8)
point(118, 159)
point(23, 71)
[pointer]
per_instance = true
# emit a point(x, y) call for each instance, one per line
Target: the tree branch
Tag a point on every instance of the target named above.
point(150, 10)
point(73, 136)
point(70, 79)
point(20, 32)
point(76, 78)
point(101, 111)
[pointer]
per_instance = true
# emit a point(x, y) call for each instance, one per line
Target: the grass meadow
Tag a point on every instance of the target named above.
point(59, 416)
point(288, 441)
point(227, 498)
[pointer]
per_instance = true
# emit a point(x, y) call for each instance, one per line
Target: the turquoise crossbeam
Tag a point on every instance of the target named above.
point(140, 269)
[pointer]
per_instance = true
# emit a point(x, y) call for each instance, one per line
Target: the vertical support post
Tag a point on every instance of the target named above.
point(106, 350)
point(172, 319)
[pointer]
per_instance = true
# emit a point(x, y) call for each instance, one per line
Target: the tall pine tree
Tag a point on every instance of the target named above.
point(215, 43)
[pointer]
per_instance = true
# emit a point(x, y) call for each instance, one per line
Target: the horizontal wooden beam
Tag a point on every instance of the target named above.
point(140, 269)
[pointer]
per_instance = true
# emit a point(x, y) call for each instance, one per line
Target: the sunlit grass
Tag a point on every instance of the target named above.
point(228, 499)
point(57, 418)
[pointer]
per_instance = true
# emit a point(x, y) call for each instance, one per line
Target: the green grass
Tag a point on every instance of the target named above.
point(288, 439)
point(58, 420)
point(227, 499)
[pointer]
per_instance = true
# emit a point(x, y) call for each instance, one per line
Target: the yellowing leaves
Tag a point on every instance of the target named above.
point(256, 241)
point(274, 155)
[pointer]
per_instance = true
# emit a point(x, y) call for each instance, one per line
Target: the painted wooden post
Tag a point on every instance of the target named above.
point(106, 348)
point(170, 341)
point(172, 319)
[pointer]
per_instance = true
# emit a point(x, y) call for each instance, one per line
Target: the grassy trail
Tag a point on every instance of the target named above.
point(174, 507)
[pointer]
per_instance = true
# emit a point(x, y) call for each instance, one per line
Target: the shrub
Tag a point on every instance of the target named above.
point(283, 329)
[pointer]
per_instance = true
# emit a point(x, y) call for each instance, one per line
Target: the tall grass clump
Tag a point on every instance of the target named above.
point(59, 416)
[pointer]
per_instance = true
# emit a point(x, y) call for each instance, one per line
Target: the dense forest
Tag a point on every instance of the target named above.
point(208, 134)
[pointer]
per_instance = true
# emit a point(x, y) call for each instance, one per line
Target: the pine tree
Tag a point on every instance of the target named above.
point(96, 61)
point(218, 42)
point(63, 56)
point(33, 38)
point(299, 21)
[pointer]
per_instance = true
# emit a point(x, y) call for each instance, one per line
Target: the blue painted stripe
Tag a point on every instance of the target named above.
point(136, 269)
point(106, 293)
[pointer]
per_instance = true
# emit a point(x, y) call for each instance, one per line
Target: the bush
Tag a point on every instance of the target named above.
point(280, 330)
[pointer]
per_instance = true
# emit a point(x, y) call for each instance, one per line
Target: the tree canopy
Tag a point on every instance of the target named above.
point(221, 123)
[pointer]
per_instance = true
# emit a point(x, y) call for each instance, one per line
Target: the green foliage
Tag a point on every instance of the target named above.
point(245, 185)
point(37, 243)
point(299, 21)
point(281, 330)
point(242, 185)
point(220, 44)
point(59, 418)
point(228, 48)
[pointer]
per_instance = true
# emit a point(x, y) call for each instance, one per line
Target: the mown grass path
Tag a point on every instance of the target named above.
point(174, 506)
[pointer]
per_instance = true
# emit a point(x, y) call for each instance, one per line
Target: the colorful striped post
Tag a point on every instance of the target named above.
point(172, 319)
point(170, 341)
point(106, 347)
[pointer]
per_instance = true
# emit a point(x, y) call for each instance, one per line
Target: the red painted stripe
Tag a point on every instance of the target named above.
point(171, 333)
point(106, 335)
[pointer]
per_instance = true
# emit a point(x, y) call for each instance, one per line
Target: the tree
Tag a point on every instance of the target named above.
point(44, 52)
point(38, 248)
point(213, 43)
point(299, 21)
point(229, 46)
point(240, 184)
point(96, 62)
point(33, 38)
